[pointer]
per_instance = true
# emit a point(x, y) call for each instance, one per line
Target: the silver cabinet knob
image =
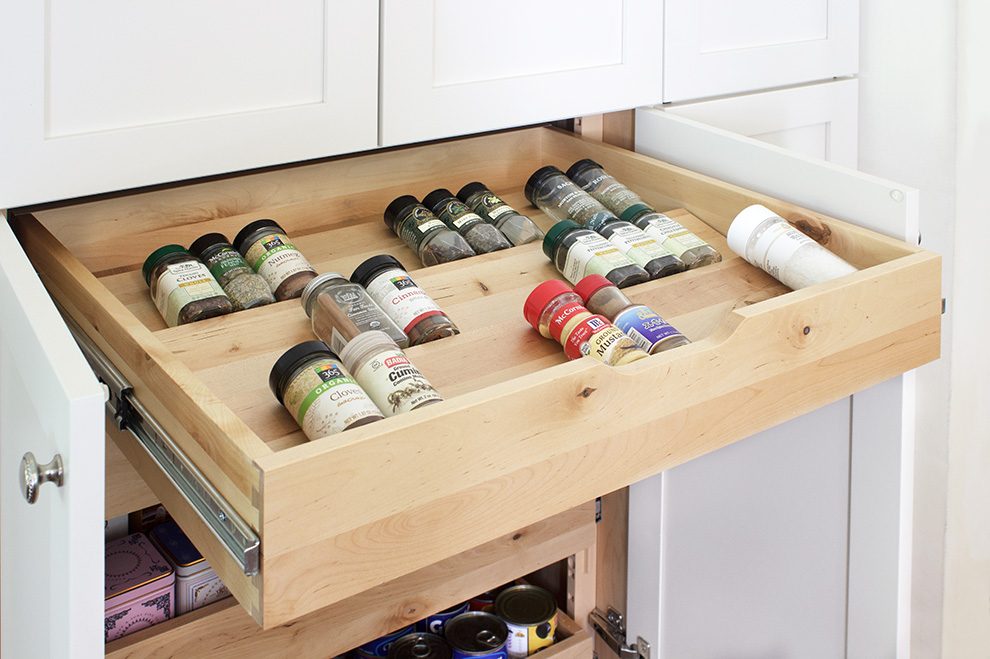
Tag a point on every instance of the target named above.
point(33, 475)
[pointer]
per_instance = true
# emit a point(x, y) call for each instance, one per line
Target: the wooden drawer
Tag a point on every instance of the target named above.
point(523, 435)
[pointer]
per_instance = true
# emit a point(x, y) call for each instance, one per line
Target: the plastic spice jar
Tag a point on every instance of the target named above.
point(245, 288)
point(643, 250)
point(313, 385)
point(340, 310)
point(555, 311)
point(628, 206)
point(273, 256)
point(640, 323)
point(482, 237)
point(768, 241)
point(552, 192)
point(518, 228)
point(391, 287)
point(424, 233)
point(386, 374)
point(577, 252)
point(182, 287)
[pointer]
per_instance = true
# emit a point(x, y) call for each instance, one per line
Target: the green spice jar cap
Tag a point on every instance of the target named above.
point(537, 179)
point(371, 267)
point(397, 208)
point(284, 365)
point(589, 284)
point(548, 290)
point(203, 243)
point(244, 234)
point(151, 261)
point(436, 199)
point(555, 232)
point(471, 188)
point(581, 165)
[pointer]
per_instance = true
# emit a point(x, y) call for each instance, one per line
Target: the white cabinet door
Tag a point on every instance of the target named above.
point(50, 404)
point(109, 95)
point(716, 47)
point(819, 121)
point(452, 67)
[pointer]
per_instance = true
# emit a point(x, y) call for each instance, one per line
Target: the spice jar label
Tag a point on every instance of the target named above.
point(224, 261)
point(325, 400)
point(635, 244)
point(597, 338)
point(592, 255)
point(779, 252)
point(644, 326)
point(276, 259)
point(399, 296)
point(561, 317)
point(182, 283)
point(394, 383)
point(673, 236)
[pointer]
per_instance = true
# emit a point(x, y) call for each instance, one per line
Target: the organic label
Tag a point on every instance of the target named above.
point(325, 399)
point(276, 259)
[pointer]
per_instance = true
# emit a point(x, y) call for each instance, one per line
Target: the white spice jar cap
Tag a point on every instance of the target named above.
point(363, 346)
point(743, 226)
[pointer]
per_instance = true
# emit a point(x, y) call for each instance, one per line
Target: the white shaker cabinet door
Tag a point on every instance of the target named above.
point(717, 47)
point(50, 405)
point(107, 95)
point(453, 67)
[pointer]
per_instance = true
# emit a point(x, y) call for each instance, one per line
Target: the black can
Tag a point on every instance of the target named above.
point(477, 635)
point(420, 645)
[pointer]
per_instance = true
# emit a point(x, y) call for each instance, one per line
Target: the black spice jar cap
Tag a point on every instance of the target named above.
point(470, 189)
point(207, 241)
point(398, 206)
point(554, 233)
point(581, 165)
point(537, 179)
point(277, 379)
point(149, 263)
point(244, 233)
point(371, 267)
point(435, 199)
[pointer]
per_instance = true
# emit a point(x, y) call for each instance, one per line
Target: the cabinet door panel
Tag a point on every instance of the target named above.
point(50, 403)
point(452, 67)
point(715, 47)
point(110, 95)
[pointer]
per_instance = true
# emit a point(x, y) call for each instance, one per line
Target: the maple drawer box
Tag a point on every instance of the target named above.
point(522, 434)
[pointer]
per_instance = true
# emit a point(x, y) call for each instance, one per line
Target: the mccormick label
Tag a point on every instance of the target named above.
point(597, 338)
point(224, 261)
point(562, 316)
point(644, 326)
point(399, 296)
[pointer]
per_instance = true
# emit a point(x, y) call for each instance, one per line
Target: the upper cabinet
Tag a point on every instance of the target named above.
point(452, 67)
point(716, 47)
point(108, 95)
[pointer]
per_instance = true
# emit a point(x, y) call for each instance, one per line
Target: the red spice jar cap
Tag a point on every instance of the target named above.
point(588, 285)
point(539, 298)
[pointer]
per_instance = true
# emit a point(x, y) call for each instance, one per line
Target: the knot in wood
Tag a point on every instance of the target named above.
point(587, 391)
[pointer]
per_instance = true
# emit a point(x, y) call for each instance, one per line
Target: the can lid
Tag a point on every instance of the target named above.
point(744, 225)
point(207, 241)
point(369, 340)
point(155, 256)
point(525, 605)
point(589, 284)
point(244, 233)
point(555, 232)
point(398, 206)
point(539, 298)
point(470, 189)
point(582, 165)
point(372, 266)
point(437, 198)
point(315, 283)
point(537, 179)
point(476, 632)
point(284, 364)
point(419, 645)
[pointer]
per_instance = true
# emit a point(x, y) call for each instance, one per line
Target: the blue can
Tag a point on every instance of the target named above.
point(378, 648)
point(477, 635)
point(435, 623)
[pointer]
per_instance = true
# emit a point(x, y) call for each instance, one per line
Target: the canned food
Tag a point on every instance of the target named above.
point(530, 613)
point(419, 645)
point(484, 602)
point(435, 623)
point(378, 648)
point(477, 635)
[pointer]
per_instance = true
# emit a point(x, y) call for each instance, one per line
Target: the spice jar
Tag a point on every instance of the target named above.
point(313, 385)
point(555, 311)
point(518, 228)
point(182, 287)
point(424, 233)
point(391, 287)
point(386, 374)
point(482, 237)
point(628, 206)
point(643, 250)
point(768, 241)
point(577, 252)
point(272, 255)
point(559, 197)
point(640, 323)
point(340, 310)
point(245, 288)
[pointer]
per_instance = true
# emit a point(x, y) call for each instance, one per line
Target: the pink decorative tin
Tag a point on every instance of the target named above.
point(196, 583)
point(139, 586)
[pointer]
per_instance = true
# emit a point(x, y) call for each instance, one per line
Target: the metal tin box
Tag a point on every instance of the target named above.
point(140, 586)
point(196, 583)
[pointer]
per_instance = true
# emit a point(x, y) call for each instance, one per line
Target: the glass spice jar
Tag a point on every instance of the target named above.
point(643, 250)
point(640, 323)
point(391, 287)
point(577, 252)
point(424, 233)
point(271, 254)
point(386, 374)
point(628, 205)
point(245, 288)
point(518, 228)
point(559, 197)
point(311, 382)
point(482, 237)
point(340, 310)
point(555, 311)
point(182, 287)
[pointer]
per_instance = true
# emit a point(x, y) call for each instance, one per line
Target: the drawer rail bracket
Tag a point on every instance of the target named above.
point(611, 627)
point(129, 414)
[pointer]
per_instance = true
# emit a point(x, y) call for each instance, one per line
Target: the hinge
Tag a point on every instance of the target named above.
point(611, 627)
